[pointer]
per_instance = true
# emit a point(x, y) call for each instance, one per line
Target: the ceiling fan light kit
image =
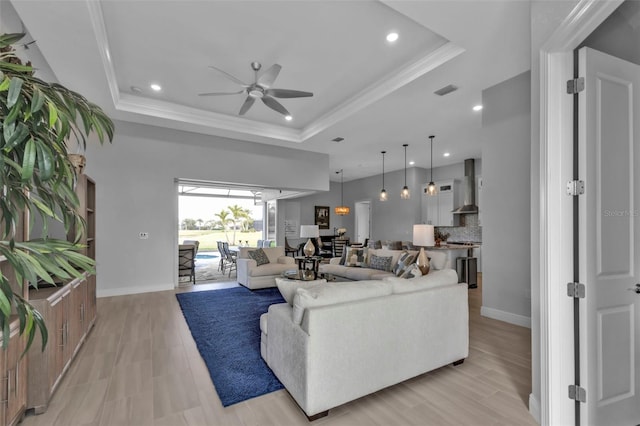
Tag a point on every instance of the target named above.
point(261, 89)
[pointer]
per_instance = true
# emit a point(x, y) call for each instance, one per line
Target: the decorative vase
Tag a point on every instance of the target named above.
point(309, 249)
point(438, 242)
point(78, 161)
point(423, 262)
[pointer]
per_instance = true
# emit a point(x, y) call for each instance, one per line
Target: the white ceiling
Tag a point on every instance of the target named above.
point(375, 94)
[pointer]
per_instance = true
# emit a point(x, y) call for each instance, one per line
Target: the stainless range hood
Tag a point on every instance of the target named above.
point(469, 182)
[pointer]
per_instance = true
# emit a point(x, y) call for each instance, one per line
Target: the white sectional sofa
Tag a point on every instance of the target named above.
point(340, 341)
point(253, 276)
point(439, 261)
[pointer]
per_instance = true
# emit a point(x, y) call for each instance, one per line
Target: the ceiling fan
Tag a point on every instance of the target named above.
point(261, 89)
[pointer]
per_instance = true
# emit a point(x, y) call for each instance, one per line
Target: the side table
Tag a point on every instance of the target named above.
point(309, 263)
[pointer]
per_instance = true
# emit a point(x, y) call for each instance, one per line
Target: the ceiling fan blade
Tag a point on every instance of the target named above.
point(229, 76)
point(247, 104)
point(286, 93)
point(274, 105)
point(221, 93)
point(269, 76)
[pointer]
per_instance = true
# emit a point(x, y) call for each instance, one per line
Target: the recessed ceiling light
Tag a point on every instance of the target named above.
point(288, 117)
point(391, 37)
point(477, 108)
point(446, 154)
point(411, 163)
point(156, 87)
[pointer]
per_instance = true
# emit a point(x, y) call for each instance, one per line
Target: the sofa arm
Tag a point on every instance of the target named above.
point(243, 268)
point(334, 261)
point(287, 351)
point(286, 260)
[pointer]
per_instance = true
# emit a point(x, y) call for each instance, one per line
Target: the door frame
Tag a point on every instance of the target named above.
point(556, 208)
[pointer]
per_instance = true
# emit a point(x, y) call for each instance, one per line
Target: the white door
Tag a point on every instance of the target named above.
point(363, 221)
point(609, 155)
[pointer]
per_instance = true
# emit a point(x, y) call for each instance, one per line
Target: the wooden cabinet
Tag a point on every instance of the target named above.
point(69, 313)
point(13, 383)
point(86, 191)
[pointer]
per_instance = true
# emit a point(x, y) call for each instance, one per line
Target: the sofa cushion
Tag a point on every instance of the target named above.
point(431, 280)
point(259, 256)
point(403, 263)
point(334, 293)
point(381, 263)
point(437, 259)
point(288, 287)
point(268, 269)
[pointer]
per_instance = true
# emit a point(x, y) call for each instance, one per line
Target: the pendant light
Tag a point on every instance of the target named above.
point(383, 193)
point(405, 194)
point(431, 188)
point(342, 210)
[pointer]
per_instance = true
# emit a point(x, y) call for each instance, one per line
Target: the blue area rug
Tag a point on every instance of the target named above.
point(225, 325)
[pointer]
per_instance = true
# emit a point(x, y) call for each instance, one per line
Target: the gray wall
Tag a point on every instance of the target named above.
point(506, 129)
point(136, 191)
point(390, 220)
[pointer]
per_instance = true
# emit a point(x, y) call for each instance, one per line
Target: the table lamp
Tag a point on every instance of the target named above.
point(423, 237)
point(309, 231)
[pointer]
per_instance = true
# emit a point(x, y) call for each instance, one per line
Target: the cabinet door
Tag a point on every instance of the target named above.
point(76, 313)
point(58, 337)
point(445, 208)
point(90, 311)
point(16, 378)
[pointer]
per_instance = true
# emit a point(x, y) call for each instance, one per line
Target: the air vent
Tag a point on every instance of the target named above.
point(338, 139)
point(446, 90)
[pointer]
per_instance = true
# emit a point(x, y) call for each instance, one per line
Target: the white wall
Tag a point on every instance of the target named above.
point(506, 129)
point(136, 192)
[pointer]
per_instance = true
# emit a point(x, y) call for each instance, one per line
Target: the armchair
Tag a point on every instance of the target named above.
point(253, 276)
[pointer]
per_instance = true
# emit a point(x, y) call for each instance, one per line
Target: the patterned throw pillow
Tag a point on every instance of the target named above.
point(403, 263)
point(356, 256)
point(259, 256)
point(381, 263)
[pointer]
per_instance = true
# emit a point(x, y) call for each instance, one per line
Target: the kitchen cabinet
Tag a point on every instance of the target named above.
point(69, 313)
point(437, 209)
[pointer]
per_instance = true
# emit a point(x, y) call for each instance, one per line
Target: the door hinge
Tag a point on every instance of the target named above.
point(575, 187)
point(577, 393)
point(575, 86)
point(576, 290)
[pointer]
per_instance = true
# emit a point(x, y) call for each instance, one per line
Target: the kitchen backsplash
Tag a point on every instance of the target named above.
point(469, 229)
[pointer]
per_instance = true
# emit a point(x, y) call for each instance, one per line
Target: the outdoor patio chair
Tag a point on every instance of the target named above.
point(229, 259)
point(221, 252)
point(186, 261)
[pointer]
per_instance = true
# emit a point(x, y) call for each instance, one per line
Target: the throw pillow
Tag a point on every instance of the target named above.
point(403, 263)
point(344, 255)
point(259, 256)
point(356, 257)
point(412, 272)
point(288, 287)
point(381, 263)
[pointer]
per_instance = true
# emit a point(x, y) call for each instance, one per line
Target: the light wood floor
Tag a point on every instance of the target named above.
point(140, 366)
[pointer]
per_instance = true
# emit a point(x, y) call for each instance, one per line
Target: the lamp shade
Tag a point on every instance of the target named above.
point(423, 235)
point(311, 231)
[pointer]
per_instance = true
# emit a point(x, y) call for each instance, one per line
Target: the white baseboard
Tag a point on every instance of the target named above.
point(534, 407)
point(123, 291)
point(516, 319)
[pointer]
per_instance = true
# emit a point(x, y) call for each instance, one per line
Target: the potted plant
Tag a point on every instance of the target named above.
point(36, 176)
